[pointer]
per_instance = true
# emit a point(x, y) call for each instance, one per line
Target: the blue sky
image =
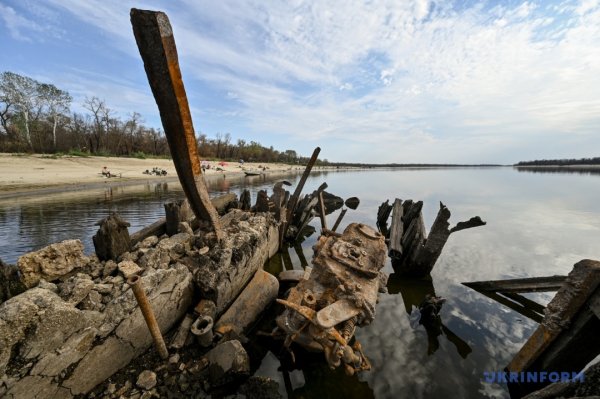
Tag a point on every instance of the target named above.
point(367, 81)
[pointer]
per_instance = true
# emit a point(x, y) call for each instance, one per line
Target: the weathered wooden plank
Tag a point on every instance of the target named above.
point(156, 43)
point(157, 228)
point(531, 284)
point(569, 324)
point(396, 229)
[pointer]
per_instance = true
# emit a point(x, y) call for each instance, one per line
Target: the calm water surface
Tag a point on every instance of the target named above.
point(537, 224)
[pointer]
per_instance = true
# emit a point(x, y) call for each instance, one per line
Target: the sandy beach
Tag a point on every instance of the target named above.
point(39, 174)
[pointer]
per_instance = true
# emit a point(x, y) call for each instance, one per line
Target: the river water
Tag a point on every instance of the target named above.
point(538, 224)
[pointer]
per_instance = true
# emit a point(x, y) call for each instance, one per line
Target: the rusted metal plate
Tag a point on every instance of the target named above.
point(154, 37)
point(336, 313)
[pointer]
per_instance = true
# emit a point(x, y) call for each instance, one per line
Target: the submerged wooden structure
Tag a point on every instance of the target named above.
point(566, 339)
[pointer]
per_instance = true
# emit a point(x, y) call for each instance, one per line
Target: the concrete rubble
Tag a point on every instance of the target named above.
point(79, 323)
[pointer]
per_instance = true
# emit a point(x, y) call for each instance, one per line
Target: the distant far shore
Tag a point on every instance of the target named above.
point(574, 166)
point(41, 174)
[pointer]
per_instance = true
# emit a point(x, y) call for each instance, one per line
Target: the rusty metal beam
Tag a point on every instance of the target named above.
point(154, 37)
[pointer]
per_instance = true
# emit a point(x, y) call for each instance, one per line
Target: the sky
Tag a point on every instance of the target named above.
point(368, 81)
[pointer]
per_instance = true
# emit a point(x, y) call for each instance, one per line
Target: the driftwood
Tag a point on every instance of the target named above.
point(112, 238)
point(413, 252)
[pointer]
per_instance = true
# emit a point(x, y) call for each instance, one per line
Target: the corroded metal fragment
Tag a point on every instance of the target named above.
point(339, 294)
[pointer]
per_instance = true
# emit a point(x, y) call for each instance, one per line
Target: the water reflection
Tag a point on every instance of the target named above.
point(535, 227)
point(582, 170)
point(419, 297)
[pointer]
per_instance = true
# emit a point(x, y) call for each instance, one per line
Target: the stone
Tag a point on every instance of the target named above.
point(109, 268)
point(174, 359)
point(149, 242)
point(155, 258)
point(103, 288)
point(51, 262)
point(45, 285)
point(146, 380)
point(93, 301)
point(227, 362)
point(129, 268)
point(111, 388)
point(77, 290)
point(184, 227)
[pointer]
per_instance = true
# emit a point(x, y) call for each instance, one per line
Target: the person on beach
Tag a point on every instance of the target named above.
point(105, 172)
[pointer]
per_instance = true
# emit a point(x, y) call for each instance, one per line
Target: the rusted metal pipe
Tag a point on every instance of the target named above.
point(155, 40)
point(142, 300)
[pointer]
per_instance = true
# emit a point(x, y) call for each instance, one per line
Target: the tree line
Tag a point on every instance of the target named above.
point(561, 162)
point(36, 117)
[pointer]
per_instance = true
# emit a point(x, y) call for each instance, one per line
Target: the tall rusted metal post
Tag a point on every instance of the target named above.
point(154, 37)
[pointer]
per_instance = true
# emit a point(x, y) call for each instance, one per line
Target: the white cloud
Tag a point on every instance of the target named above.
point(472, 81)
point(25, 29)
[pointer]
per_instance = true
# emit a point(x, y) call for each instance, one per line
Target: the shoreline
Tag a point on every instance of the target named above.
point(37, 175)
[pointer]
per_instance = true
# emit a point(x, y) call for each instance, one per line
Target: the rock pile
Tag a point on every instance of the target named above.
point(78, 323)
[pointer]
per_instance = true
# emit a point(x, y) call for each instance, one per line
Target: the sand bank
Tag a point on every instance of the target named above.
point(38, 174)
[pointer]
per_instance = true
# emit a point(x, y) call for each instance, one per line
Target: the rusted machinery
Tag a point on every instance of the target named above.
point(335, 296)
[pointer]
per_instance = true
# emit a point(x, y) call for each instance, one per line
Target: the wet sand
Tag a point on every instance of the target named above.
point(39, 174)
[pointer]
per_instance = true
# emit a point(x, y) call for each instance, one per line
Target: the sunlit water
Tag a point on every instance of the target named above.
point(537, 224)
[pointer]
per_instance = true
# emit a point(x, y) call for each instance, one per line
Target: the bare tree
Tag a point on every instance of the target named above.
point(23, 93)
point(99, 110)
point(58, 102)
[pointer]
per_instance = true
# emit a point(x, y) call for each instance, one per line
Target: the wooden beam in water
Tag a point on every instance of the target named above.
point(532, 284)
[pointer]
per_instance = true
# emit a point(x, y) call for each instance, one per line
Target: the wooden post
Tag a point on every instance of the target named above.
point(416, 252)
point(112, 238)
point(245, 200)
point(177, 211)
point(396, 229)
point(322, 211)
point(156, 43)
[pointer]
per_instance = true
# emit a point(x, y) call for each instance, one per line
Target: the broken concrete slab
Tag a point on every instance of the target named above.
point(249, 241)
